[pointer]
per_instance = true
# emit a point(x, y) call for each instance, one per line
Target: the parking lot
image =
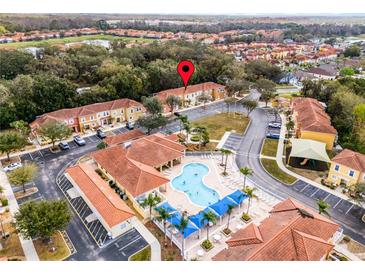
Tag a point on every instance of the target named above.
point(94, 227)
point(336, 203)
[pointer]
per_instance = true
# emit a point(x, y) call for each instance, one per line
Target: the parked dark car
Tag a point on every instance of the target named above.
point(63, 145)
point(100, 134)
point(79, 141)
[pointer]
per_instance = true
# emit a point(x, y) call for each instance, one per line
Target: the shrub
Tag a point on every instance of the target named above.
point(207, 245)
point(4, 202)
point(346, 239)
point(246, 217)
point(195, 138)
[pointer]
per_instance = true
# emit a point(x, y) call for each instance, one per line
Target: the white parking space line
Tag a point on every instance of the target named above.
point(337, 203)
point(132, 242)
point(349, 209)
point(326, 197)
point(314, 193)
point(304, 187)
point(30, 155)
point(40, 153)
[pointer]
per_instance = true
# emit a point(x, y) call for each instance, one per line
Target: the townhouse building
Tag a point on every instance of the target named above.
point(191, 95)
point(347, 168)
point(92, 116)
point(312, 122)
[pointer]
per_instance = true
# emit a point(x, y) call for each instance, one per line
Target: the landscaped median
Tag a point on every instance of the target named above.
point(55, 250)
point(272, 167)
point(270, 147)
point(142, 255)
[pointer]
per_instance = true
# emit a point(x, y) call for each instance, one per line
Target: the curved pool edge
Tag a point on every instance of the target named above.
point(203, 181)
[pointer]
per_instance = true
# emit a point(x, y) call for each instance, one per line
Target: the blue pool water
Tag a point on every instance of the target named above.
point(190, 181)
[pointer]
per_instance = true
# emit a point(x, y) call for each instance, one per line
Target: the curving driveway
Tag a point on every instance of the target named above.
point(346, 215)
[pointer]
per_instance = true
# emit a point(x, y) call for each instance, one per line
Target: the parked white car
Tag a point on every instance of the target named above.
point(12, 167)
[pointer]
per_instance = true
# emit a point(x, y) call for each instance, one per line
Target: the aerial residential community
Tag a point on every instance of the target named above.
point(181, 136)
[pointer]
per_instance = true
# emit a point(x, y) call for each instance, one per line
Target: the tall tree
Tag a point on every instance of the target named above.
point(21, 126)
point(266, 88)
point(181, 226)
point(42, 219)
point(172, 101)
point(226, 152)
point(208, 218)
point(150, 202)
point(23, 175)
point(249, 105)
point(152, 105)
point(245, 171)
point(11, 141)
point(250, 192)
point(55, 131)
point(163, 215)
point(152, 122)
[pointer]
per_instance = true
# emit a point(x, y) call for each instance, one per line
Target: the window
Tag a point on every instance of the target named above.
point(91, 118)
point(131, 110)
point(83, 119)
point(337, 167)
point(351, 173)
point(334, 177)
point(115, 113)
point(71, 121)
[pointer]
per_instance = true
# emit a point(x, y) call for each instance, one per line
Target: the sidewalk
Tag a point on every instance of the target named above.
point(279, 160)
point(151, 240)
point(27, 245)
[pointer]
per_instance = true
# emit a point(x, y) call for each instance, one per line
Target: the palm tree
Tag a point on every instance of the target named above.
point(183, 223)
point(250, 192)
point(226, 152)
point(229, 212)
point(183, 119)
point(209, 217)
point(200, 130)
point(150, 202)
point(222, 150)
point(322, 207)
point(246, 171)
point(187, 128)
point(163, 215)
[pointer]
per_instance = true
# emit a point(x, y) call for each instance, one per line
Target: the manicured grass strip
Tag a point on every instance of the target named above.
point(218, 124)
point(56, 41)
point(270, 147)
point(45, 252)
point(272, 167)
point(142, 255)
point(12, 249)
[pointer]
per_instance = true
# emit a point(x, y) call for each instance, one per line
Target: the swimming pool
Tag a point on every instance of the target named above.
point(190, 181)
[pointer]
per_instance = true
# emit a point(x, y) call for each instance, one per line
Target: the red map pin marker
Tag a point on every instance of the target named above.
point(185, 69)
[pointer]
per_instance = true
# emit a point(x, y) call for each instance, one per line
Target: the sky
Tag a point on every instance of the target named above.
point(183, 6)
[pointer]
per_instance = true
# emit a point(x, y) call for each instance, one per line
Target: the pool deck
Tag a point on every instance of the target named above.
point(224, 185)
point(213, 179)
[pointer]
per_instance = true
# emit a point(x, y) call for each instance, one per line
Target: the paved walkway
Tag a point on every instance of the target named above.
point(279, 160)
point(151, 240)
point(27, 245)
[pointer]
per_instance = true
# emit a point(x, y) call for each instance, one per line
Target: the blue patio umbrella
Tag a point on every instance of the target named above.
point(238, 196)
point(190, 228)
point(167, 207)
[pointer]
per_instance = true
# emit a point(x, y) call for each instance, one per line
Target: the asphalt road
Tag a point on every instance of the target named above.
point(247, 155)
point(53, 164)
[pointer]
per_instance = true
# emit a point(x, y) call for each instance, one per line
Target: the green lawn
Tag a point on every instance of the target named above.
point(218, 124)
point(58, 41)
point(142, 255)
point(272, 167)
point(270, 147)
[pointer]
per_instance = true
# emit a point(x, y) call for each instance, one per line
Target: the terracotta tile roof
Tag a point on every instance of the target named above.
point(291, 233)
point(352, 159)
point(160, 150)
point(107, 203)
point(123, 137)
point(311, 116)
point(68, 113)
point(133, 168)
point(162, 95)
